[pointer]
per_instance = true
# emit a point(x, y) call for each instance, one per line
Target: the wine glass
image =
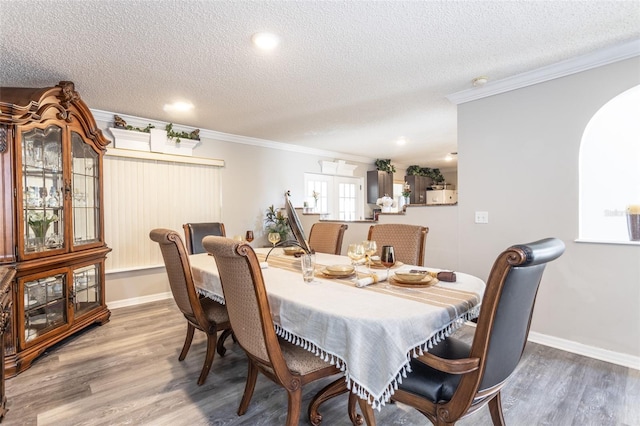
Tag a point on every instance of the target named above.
point(370, 248)
point(274, 238)
point(355, 253)
point(249, 236)
point(388, 258)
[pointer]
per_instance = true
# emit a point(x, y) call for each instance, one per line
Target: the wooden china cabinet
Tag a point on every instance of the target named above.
point(51, 218)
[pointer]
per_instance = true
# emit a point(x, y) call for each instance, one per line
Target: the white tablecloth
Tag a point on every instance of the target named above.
point(371, 333)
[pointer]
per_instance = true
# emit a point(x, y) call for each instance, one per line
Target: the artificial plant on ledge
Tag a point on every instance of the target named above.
point(385, 166)
point(172, 134)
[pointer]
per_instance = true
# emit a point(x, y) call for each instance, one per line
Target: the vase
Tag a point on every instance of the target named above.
point(633, 225)
point(401, 203)
point(40, 232)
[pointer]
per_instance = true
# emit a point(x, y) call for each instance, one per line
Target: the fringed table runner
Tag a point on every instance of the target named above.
point(370, 333)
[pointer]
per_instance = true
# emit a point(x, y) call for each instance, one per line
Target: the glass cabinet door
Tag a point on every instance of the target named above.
point(85, 187)
point(42, 185)
point(86, 289)
point(45, 306)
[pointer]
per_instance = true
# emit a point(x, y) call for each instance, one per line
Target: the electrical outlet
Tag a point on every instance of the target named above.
point(482, 217)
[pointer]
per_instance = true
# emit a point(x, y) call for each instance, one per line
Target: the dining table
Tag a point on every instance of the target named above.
point(367, 325)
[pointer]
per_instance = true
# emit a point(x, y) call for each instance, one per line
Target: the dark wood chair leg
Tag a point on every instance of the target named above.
point(333, 389)
point(252, 376)
point(221, 349)
point(187, 341)
point(495, 408)
point(208, 360)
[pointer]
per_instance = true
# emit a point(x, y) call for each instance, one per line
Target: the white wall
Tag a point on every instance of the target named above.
point(253, 178)
point(518, 160)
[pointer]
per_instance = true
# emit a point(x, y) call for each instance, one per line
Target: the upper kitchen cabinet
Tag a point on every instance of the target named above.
point(379, 184)
point(51, 217)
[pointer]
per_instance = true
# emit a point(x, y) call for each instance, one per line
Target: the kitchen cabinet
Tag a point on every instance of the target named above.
point(379, 184)
point(51, 158)
point(418, 185)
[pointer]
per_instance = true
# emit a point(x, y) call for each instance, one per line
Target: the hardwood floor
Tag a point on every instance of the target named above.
point(127, 373)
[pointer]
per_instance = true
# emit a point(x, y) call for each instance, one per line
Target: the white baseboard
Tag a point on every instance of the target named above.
point(618, 358)
point(139, 300)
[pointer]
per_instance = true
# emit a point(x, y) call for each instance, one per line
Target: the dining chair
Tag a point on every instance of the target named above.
point(202, 313)
point(327, 237)
point(195, 232)
point(454, 378)
point(407, 240)
point(286, 364)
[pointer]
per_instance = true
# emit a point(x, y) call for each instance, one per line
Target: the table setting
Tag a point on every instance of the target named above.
point(347, 309)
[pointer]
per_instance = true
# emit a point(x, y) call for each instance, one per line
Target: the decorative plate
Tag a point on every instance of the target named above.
point(427, 281)
point(292, 251)
point(325, 273)
point(410, 276)
point(340, 269)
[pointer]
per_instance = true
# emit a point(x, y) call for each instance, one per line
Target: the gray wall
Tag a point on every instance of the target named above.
point(518, 160)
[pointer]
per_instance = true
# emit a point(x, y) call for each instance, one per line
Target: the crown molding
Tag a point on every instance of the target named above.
point(540, 75)
point(107, 117)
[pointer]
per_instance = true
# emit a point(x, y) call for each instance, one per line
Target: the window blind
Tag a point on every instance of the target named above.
point(143, 194)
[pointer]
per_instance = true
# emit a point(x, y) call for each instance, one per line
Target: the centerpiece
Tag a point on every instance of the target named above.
point(39, 223)
point(277, 223)
point(387, 203)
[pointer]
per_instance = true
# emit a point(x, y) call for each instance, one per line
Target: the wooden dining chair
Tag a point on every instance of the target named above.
point(195, 232)
point(286, 364)
point(202, 313)
point(408, 241)
point(455, 379)
point(327, 237)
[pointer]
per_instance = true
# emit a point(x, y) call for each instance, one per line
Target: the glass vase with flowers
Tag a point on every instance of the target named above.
point(39, 223)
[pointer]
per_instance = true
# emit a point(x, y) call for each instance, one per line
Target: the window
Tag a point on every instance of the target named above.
point(609, 168)
point(338, 197)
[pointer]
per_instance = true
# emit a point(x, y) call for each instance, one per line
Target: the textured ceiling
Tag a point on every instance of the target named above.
point(348, 76)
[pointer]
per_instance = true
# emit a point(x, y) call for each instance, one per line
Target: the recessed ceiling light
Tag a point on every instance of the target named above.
point(265, 41)
point(449, 157)
point(401, 141)
point(178, 107)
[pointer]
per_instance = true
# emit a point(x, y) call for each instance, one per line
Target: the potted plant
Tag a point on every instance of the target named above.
point(406, 192)
point(385, 166)
point(414, 171)
point(277, 222)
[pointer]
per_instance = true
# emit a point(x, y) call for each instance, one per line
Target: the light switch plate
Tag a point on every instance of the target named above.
point(482, 217)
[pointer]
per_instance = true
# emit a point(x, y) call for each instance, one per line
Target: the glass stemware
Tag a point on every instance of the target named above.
point(274, 238)
point(355, 252)
point(388, 258)
point(249, 236)
point(370, 248)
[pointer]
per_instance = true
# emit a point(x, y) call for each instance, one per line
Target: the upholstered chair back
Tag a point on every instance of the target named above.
point(327, 237)
point(408, 241)
point(507, 307)
point(195, 232)
point(244, 294)
point(176, 261)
